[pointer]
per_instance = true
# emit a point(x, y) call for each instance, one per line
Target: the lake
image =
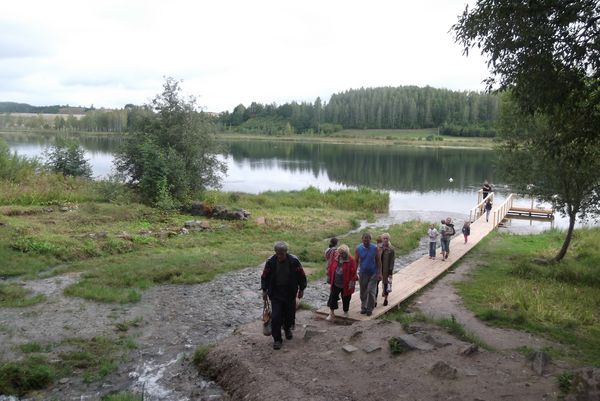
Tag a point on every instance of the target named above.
point(423, 182)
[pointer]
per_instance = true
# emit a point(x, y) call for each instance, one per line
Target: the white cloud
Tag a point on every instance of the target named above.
point(228, 52)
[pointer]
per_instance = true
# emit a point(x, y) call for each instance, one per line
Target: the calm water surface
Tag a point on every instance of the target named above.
point(427, 182)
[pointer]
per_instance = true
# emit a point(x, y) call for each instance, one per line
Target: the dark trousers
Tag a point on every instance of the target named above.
point(432, 246)
point(334, 296)
point(283, 313)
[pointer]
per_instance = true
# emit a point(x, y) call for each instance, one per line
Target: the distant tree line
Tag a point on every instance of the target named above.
point(405, 107)
point(13, 107)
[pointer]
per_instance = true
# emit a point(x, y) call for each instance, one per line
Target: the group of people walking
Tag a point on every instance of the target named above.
point(283, 279)
point(371, 264)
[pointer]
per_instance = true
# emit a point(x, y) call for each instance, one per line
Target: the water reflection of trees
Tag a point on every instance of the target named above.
point(397, 168)
point(94, 143)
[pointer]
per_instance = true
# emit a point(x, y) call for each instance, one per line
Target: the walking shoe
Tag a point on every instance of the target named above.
point(346, 314)
point(369, 313)
point(277, 344)
point(330, 317)
point(385, 302)
point(288, 334)
point(363, 311)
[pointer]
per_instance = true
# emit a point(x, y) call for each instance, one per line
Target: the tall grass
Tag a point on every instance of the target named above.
point(13, 167)
point(560, 300)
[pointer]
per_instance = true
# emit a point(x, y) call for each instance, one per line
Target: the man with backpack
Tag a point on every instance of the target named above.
point(447, 230)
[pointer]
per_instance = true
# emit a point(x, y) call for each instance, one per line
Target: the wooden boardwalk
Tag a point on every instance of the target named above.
point(421, 272)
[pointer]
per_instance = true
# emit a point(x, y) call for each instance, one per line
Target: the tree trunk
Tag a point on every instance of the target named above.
point(565, 246)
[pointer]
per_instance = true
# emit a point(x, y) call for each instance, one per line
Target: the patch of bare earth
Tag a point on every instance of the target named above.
point(314, 366)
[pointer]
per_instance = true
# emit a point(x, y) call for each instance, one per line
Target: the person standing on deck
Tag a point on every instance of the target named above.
point(388, 257)
point(368, 259)
point(282, 280)
point(486, 188)
point(488, 209)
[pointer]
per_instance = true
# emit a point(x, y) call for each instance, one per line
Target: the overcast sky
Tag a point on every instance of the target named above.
point(110, 53)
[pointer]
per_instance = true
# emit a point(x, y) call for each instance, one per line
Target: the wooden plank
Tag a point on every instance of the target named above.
point(422, 271)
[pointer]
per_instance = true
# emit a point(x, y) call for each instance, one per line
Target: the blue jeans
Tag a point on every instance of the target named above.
point(432, 246)
point(445, 242)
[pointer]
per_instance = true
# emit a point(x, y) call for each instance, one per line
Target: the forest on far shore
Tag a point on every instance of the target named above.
point(455, 113)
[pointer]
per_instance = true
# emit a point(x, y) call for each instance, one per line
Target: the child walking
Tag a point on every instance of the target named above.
point(432, 233)
point(466, 230)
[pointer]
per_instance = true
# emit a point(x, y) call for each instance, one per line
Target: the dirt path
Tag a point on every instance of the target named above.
point(442, 301)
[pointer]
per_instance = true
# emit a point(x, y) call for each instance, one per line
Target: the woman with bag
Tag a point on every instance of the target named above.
point(341, 273)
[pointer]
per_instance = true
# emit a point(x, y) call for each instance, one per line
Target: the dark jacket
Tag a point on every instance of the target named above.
point(297, 278)
point(466, 230)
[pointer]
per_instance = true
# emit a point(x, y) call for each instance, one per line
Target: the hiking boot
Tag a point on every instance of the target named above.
point(288, 334)
point(277, 344)
point(385, 302)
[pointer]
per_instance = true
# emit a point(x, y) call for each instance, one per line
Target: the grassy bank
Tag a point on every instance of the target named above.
point(122, 248)
point(560, 301)
point(389, 137)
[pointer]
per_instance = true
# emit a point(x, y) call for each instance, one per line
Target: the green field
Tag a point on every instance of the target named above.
point(405, 137)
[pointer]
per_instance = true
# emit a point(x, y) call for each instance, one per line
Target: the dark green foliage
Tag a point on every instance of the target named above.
point(66, 156)
point(468, 131)
point(396, 346)
point(18, 378)
point(169, 153)
point(546, 54)
point(565, 381)
point(391, 108)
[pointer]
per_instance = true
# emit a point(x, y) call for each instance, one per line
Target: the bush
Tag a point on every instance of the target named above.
point(66, 156)
point(468, 130)
point(170, 153)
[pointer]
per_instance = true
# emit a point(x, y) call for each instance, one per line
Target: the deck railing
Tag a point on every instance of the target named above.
point(501, 212)
point(478, 210)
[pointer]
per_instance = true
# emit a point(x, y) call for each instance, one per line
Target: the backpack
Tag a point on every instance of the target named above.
point(452, 230)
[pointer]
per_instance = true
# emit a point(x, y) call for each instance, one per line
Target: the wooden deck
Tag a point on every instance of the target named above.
point(421, 272)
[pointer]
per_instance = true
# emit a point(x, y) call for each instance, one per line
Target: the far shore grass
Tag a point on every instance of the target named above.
point(389, 137)
point(426, 137)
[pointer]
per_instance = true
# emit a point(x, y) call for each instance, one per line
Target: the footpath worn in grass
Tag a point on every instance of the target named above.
point(561, 301)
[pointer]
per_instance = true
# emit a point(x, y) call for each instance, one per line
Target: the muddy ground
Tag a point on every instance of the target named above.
point(176, 319)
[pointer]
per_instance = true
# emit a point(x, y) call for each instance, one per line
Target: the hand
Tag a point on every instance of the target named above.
point(300, 294)
point(264, 295)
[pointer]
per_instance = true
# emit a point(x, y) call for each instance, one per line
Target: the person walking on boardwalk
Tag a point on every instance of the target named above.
point(341, 273)
point(369, 261)
point(329, 253)
point(282, 280)
point(388, 257)
point(447, 231)
point(486, 188)
point(488, 209)
point(432, 233)
point(466, 230)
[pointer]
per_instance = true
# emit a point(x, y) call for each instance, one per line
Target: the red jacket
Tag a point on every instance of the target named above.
point(349, 269)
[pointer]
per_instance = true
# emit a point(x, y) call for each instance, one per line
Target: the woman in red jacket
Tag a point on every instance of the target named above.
point(341, 272)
